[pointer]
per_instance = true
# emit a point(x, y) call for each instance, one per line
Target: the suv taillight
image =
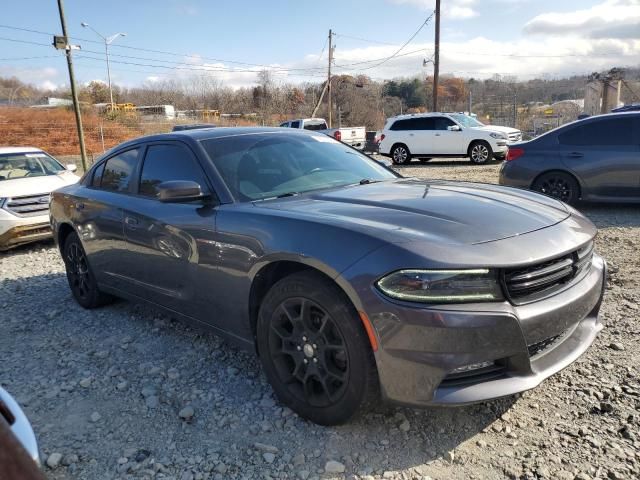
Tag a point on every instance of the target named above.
point(337, 135)
point(514, 153)
point(382, 137)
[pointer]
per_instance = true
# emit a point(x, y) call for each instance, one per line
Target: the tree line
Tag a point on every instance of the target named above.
point(357, 100)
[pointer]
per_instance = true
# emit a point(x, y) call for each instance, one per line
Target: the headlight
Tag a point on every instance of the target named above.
point(442, 286)
point(500, 136)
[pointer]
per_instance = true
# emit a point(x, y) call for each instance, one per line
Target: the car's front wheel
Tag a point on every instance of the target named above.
point(79, 275)
point(400, 154)
point(480, 152)
point(558, 185)
point(314, 350)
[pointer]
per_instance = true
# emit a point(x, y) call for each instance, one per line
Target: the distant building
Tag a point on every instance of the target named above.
point(53, 102)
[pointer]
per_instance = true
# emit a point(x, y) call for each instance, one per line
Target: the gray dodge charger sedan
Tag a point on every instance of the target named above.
point(350, 282)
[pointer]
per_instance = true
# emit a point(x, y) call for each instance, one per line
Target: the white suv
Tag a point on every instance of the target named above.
point(429, 135)
point(27, 176)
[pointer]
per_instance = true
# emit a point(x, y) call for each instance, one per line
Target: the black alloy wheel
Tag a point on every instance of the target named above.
point(309, 352)
point(315, 351)
point(81, 280)
point(558, 185)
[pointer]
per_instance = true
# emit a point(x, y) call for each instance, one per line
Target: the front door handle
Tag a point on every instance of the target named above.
point(575, 155)
point(437, 134)
point(79, 206)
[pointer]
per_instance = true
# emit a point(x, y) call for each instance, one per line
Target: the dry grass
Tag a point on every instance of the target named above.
point(54, 130)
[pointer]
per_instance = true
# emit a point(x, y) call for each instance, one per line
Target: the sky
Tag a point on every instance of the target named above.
point(232, 41)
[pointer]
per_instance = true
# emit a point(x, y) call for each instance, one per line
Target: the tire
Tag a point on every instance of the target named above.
point(400, 154)
point(558, 185)
point(480, 152)
point(320, 362)
point(81, 280)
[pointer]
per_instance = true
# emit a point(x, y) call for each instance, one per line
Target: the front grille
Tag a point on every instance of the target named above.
point(28, 205)
point(541, 280)
point(470, 377)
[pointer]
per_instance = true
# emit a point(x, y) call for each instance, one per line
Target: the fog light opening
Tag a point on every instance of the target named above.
point(472, 366)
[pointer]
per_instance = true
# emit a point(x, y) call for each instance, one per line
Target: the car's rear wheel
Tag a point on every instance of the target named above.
point(558, 185)
point(79, 275)
point(400, 154)
point(315, 351)
point(480, 152)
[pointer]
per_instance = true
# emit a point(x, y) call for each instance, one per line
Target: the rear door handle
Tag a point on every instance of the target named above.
point(575, 155)
point(437, 134)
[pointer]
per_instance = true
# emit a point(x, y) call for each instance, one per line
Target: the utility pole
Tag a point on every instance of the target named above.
point(436, 59)
point(329, 76)
point(72, 81)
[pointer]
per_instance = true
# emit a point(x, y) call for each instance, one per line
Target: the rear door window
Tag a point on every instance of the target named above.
point(295, 124)
point(443, 123)
point(610, 131)
point(118, 171)
point(163, 163)
point(426, 123)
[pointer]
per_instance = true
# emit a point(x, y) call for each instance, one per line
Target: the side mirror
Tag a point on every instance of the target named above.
point(179, 191)
point(71, 167)
point(454, 128)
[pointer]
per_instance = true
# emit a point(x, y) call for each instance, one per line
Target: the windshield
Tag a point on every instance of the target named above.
point(21, 165)
point(466, 120)
point(261, 166)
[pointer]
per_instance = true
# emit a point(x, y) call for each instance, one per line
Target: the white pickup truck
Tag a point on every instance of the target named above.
point(353, 136)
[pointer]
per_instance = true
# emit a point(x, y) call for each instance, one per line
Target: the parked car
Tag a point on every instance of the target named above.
point(27, 176)
point(191, 126)
point(372, 142)
point(595, 159)
point(353, 136)
point(513, 134)
point(350, 282)
point(429, 135)
point(19, 457)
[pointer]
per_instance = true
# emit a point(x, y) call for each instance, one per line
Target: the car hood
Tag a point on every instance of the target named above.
point(18, 187)
point(407, 210)
point(498, 128)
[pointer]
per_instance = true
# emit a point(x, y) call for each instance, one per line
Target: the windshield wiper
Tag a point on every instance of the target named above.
point(288, 194)
point(366, 181)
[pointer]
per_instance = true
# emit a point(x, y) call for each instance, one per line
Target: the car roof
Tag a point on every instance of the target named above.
point(18, 150)
point(419, 115)
point(208, 134)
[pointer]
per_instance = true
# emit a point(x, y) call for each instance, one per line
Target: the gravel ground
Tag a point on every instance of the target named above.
point(125, 392)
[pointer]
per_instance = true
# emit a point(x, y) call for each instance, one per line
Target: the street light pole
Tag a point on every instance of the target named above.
point(107, 41)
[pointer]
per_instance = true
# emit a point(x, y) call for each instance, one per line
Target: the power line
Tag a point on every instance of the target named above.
point(364, 39)
point(27, 58)
point(403, 45)
point(200, 68)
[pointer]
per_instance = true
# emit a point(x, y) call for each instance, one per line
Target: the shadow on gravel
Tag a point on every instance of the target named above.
point(611, 215)
point(142, 368)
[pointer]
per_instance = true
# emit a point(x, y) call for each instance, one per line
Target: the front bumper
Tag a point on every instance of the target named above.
point(16, 231)
point(421, 347)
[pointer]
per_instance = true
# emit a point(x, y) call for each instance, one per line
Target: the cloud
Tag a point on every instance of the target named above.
point(453, 9)
point(609, 19)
